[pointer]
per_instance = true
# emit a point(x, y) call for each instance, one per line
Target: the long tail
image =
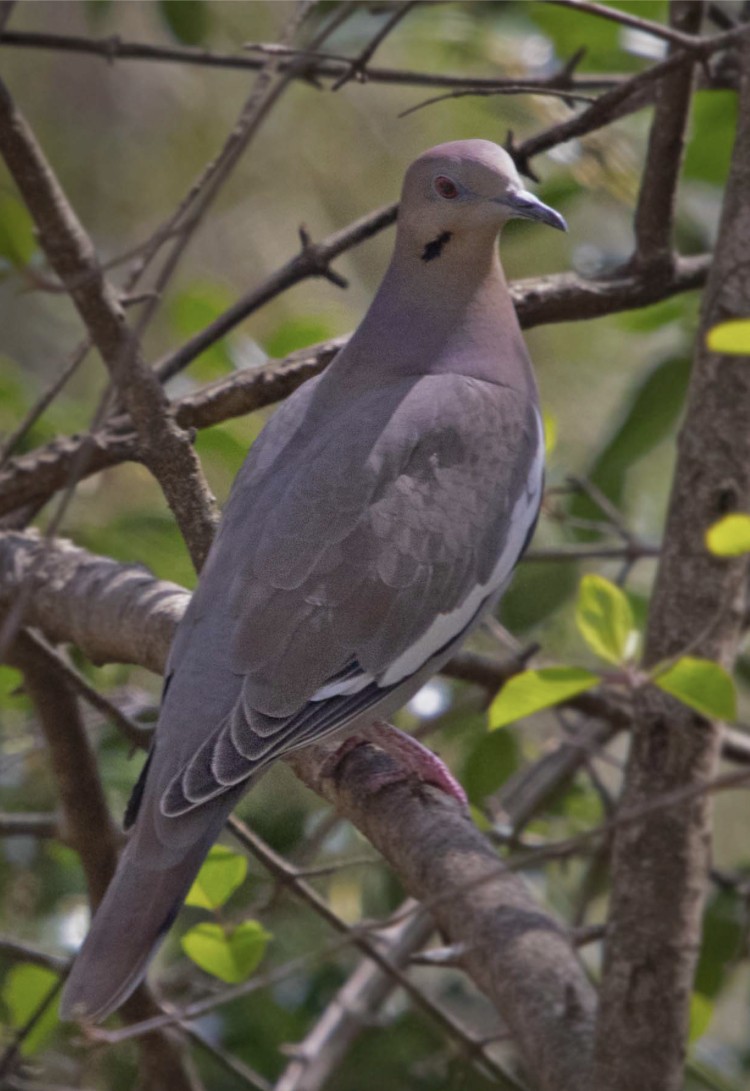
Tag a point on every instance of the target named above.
point(136, 912)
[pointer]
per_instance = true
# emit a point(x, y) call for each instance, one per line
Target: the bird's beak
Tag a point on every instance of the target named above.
point(526, 206)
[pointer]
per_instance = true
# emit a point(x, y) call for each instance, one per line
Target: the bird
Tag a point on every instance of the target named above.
point(374, 523)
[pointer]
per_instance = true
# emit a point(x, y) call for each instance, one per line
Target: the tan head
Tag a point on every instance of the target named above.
point(467, 186)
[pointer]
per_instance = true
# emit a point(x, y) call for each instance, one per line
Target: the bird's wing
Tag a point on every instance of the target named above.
point(352, 558)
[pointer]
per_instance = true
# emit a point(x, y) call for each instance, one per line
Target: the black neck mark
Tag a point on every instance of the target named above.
point(435, 248)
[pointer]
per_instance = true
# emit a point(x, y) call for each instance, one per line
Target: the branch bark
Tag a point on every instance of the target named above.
point(91, 832)
point(661, 867)
point(164, 447)
point(518, 955)
point(515, 952)
point(564, 297)
point(654, 213)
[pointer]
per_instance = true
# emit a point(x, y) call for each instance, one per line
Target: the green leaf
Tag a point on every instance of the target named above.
point(230, 955)
point(730, 536)
point(17, 242)
point(701, 684)
point(222, 872)
point(189, 20)
point(605, 619)
point(730, 338)
point(533, 690)
point(24, 991)
point(701, 1013)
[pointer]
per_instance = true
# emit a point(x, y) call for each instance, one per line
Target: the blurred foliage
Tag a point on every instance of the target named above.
point(127, 140)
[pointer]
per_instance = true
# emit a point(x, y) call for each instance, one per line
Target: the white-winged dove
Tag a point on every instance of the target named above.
point(376, 520)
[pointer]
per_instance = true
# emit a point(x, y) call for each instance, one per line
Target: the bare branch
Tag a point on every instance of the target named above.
point(115, 48)
point(661, 867)
point(92, 834)
point(654, 213)
point(11, 948)
point(518, 955)
point(29, 824)
point(515, 948)
point(671, 34)
point(316, 1058)
point(562, 297)
point(628, 96)
point(164, 447)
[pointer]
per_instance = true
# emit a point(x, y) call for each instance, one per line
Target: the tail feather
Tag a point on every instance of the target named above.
point(136, 912)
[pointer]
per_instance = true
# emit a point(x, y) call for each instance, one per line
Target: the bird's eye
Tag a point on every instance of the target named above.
point(445, 187)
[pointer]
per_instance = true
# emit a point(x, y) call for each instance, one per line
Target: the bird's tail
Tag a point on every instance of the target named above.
point(140, 904)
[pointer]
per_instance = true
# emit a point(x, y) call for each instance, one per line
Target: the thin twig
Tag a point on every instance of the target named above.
point(645, 26)
point(115, 48)
point(510, 89)
point(45, 399)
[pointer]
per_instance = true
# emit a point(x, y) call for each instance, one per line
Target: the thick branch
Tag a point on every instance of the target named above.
point(318, 1056)
point(661, 867)
point(516, 953)
point(564, 297)
point(655, 210)
point(165, 448)
point(92, 833)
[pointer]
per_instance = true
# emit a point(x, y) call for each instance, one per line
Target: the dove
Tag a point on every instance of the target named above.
point(376, 520)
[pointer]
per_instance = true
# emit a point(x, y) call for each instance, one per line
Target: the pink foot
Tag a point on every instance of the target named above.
point(412, 757)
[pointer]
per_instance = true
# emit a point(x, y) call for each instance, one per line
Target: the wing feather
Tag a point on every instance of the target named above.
point(380, 542)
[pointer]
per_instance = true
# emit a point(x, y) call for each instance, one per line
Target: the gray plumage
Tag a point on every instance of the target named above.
point(375, 521)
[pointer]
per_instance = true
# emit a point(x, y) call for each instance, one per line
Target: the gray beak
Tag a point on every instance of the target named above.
point(528, 207)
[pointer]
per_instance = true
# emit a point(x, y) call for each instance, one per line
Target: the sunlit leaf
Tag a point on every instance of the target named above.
point(534, 690)
point(730, 536)
point(189, 20)
point(25, 989)
point(730, 338)
point(605, 619)
point(229, 954)
point(702, 685)
point(222, 872)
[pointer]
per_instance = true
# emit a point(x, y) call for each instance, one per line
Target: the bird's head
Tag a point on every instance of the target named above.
point(467, 186)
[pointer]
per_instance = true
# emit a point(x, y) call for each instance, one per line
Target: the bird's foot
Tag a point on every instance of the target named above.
point(410, 758)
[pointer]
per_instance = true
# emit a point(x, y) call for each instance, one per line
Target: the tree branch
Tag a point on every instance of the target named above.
point(316, 1058)
point(517, 954)
point(654, 215)
point(563, 297)
point(92, 834)
point(115, 48)
point(165, 448)
point(661, 867)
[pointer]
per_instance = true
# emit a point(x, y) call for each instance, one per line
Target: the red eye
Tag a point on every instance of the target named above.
point(445, 187)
